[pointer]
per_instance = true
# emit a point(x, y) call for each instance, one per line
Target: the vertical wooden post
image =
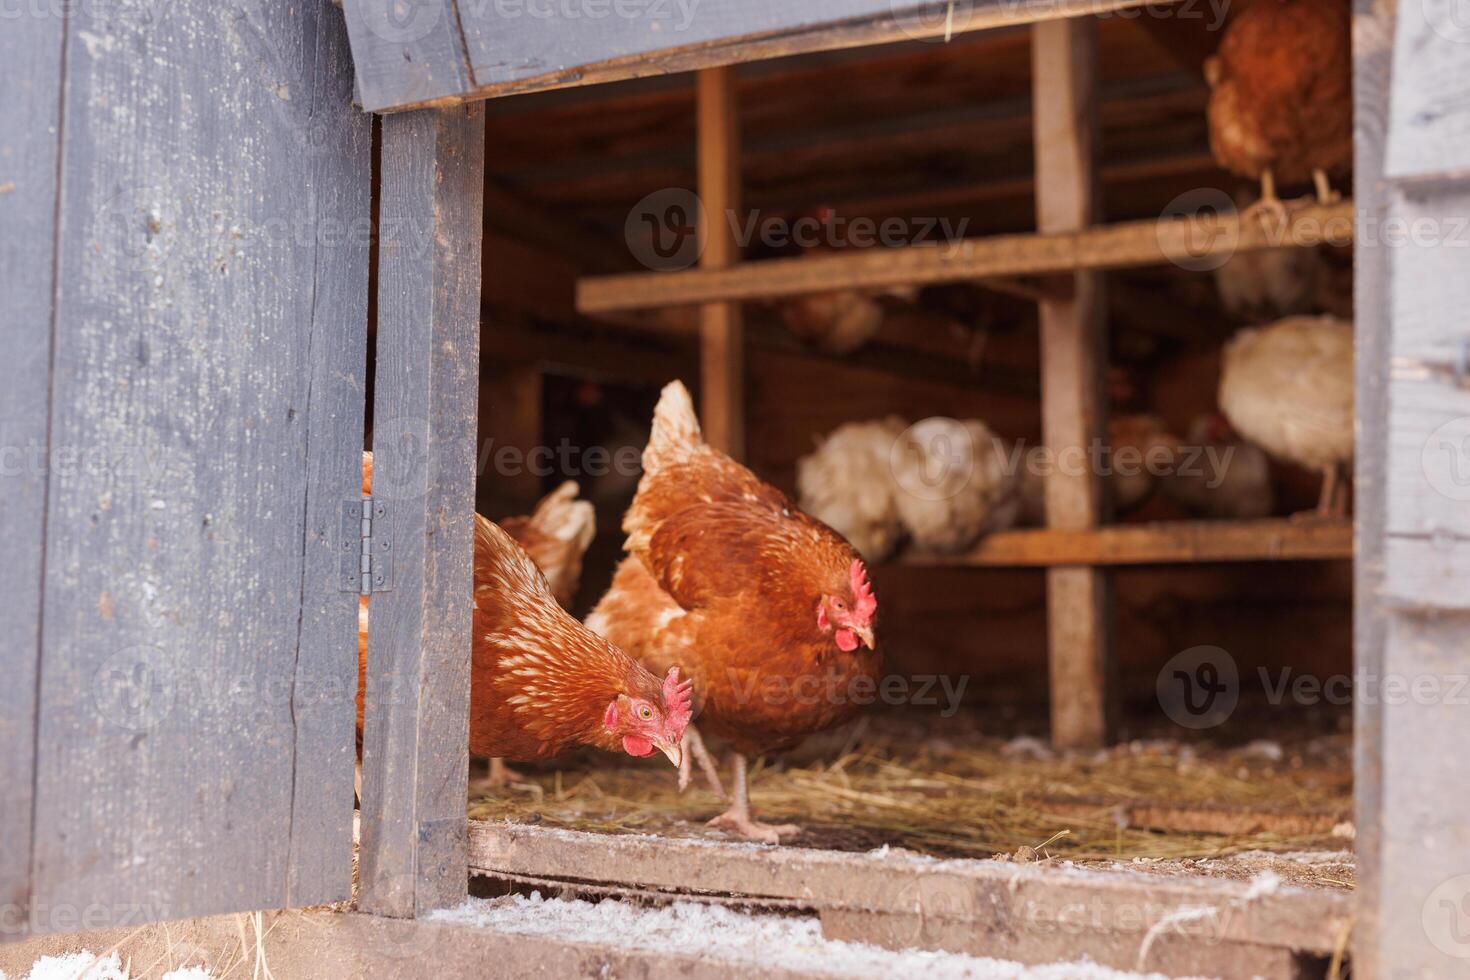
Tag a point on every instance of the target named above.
point(1372, 59)
point(721, 327)
point(416, 732)
point(1079, 600)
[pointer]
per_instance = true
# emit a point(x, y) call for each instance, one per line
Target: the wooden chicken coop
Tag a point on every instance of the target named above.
point(239, 239)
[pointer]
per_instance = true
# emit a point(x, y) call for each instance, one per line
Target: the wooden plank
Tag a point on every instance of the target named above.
point(721, 327)
point(510, 415)
point(1429, 135)
point(1160, 543)
point(514, 51)
point(1073, 359)
point(415, 741)
point(1120, 245)
point(407, 53)
point(1373, 27)
point(204, 333)
point(30, 67)
point(988, 907)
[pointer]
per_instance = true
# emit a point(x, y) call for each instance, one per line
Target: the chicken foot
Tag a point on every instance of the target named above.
point(738, 818)
point(1333, 501)
point(693, 749)
point(1269, 202)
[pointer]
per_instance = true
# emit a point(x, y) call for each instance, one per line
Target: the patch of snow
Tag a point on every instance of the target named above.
point(1264, 748)
point(86, 965)
point(762, 941)
point(1265, 883)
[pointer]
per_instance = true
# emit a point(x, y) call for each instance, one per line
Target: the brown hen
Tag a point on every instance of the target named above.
point(769, 610)
point(541, 682)
point(1281, 106)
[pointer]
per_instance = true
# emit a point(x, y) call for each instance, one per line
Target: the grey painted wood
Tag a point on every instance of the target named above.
point(1372, 62)
point(517, 46)
point(1431, 94)
point(407, 52)
point(416, 731)
point(1412, 690)
point(30, 71)
point(208, 369)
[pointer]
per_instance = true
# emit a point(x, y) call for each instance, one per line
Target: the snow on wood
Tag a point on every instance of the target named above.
point(768, 941)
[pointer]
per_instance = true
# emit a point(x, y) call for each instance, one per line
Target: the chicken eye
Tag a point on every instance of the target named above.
point(838, 604)
point(646, 713)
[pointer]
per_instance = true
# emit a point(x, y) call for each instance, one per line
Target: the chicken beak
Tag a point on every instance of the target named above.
point(674, 750)
point(865, 633)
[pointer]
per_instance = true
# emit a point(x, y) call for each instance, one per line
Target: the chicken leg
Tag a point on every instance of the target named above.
point(1333, 501)
point(503, 775)
point(738, 818)
point(693, 749)
point(1269, 202)
point(1325, 193)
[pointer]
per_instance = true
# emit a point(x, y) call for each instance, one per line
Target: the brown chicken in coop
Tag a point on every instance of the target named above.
point(1281, 104)
point(1288, 388)
point(769, 610)
point(541, 682)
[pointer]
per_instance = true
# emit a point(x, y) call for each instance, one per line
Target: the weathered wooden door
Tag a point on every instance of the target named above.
point(184, 238)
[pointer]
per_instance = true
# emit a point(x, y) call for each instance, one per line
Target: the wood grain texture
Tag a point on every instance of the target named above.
point(1172, 542)
point(1115, 246)
point(30, 120)
point(1413, 296)
point(407, 52)
point(993, 908)
point(1373, 23)
point(514, 51)
point(1430, 131)
point(721, 325)
point(1073, 359)
point(415, 742)
point(203, 329)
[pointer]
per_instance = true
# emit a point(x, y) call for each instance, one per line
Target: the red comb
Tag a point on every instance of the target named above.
point(678, 702)
point(866, 603)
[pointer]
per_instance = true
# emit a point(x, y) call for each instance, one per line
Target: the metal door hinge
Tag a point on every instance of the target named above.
point(367, 547)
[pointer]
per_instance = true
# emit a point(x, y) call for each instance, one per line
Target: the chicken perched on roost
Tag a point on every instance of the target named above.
point(1288, 388)
point(954, 483)
point(770, 611)
point(1271, 282)
point(847, 483)
point(540, 681)
point(1281, 105)
point(1219, 475)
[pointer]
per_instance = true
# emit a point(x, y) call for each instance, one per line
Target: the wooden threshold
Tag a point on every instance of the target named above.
point(1026, 912)
point(1160, 543)
point(1116, 246)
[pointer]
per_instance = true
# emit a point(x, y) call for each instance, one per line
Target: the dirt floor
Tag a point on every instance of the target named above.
point(1161, 806)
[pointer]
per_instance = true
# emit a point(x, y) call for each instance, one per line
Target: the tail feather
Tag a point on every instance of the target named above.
point(675, 428)
point(562, 516)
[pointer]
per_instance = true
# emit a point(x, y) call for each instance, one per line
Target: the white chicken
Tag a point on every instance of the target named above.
point(1288, 388)
point(1220, 476)
point(846, 483)
point(1147, 448)
point(955, 483)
